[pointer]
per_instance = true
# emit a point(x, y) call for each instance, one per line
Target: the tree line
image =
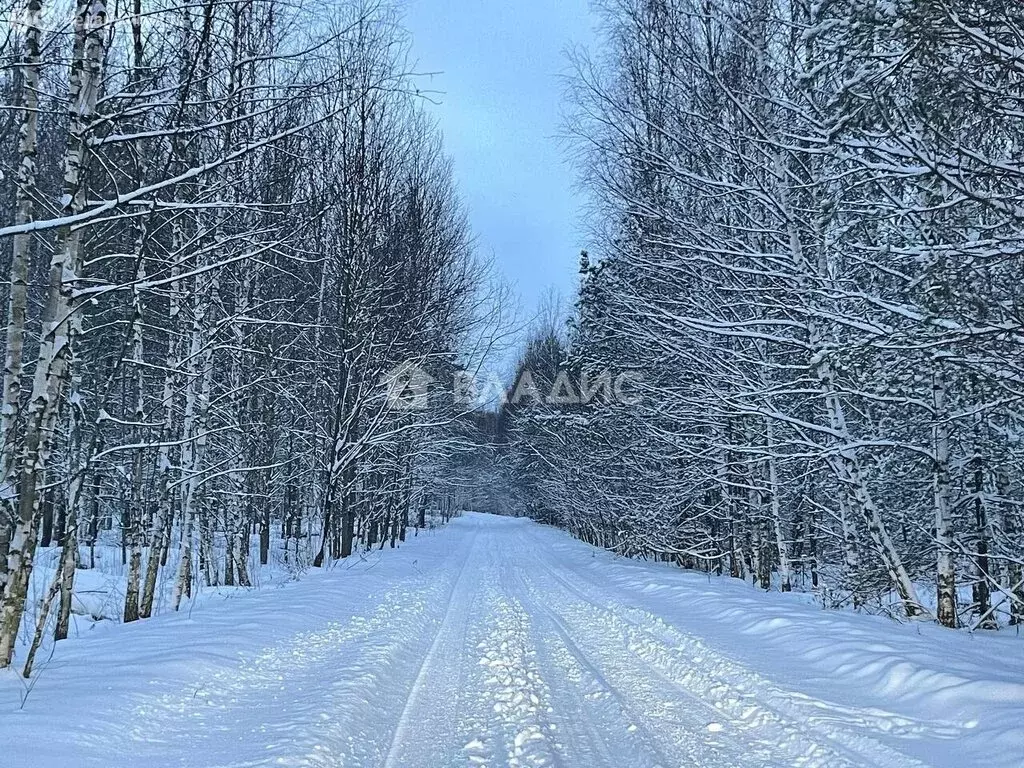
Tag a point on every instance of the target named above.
point(227, 224)
point(807, 248)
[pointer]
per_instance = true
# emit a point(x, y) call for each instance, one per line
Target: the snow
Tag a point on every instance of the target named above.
point(499, 642)
point(99, 589)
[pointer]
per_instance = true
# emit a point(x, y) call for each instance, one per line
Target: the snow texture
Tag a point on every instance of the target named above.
point(499, 642)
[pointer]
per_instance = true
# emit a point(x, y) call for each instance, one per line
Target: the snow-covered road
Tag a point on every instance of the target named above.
point(498, 642)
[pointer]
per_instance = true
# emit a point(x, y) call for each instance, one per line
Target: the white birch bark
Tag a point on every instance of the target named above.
point(197, 401)
point(60, 318)
point(946, 572)
point(785, 571)
point(20, 255)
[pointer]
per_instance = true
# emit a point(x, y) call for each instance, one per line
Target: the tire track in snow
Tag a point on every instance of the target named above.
point(314, 699)
point(479, 697)
point(314, 679)
point(497, 651)
point(456, 604)
point(801, 707)
point(606, 727)
point(747, 702)
point(516, 730)
point(662, 718)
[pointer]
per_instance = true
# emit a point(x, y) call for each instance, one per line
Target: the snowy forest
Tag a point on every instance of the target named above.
point(808, 251)
point(233, 225)
point(226, 223)
point(512, 383)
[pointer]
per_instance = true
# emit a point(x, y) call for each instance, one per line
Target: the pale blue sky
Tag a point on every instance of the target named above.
point(499, 65)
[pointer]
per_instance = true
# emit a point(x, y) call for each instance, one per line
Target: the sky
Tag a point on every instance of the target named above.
point(498, 65)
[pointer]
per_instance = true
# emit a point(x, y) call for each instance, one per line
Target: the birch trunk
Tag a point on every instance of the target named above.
point(982, 587)
point(79, 462)
point(60, 316)
point(844, 460)
point(785, 571)
point(851, 553)
point(137, 518)
point(945, 567)
point(20, 256)
point(159, 534)
point(68, 564)
point(194, 432)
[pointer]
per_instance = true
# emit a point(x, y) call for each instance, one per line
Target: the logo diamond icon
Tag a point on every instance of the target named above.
point(408, 387)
